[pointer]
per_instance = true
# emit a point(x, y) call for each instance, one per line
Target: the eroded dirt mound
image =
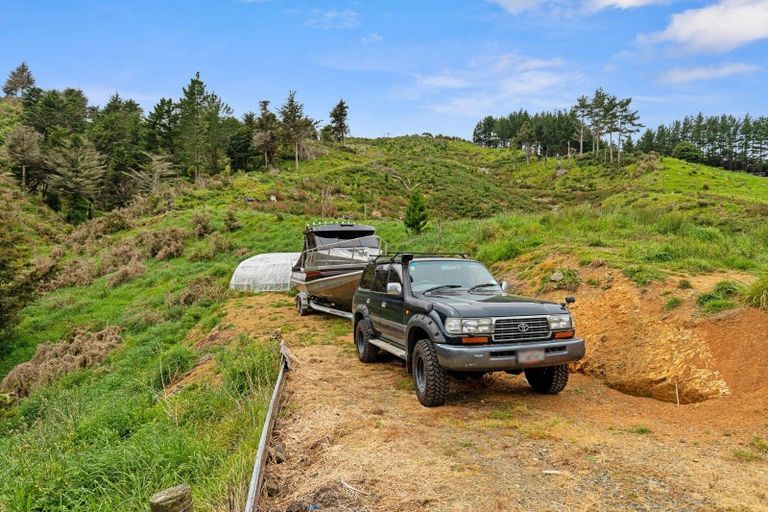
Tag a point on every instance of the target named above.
point(640, 346)
point(52, 360)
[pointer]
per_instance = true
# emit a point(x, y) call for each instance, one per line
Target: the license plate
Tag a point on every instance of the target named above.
point(530, 356)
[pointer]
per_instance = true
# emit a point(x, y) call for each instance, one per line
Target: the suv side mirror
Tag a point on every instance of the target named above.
point(394, 289)
point(570, 299)
point(504, 286)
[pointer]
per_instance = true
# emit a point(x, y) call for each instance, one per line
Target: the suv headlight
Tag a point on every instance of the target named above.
point(557, 322)
point(469, 325)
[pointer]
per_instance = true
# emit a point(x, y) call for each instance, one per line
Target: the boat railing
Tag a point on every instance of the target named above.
point(359, 249)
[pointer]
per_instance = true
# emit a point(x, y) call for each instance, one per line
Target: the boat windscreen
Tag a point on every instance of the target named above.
point(347, 240)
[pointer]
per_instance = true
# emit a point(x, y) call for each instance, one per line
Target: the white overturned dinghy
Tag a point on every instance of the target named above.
point(270, 272)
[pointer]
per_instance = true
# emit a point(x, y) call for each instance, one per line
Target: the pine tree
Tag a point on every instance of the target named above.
point(157, 170)
point(296, 127)
point(582, 110)
point(217, 133)
point(19, 81)
point(115, 132)
point(161, 127)
point(266, 133)
point(338, 124)
point(241, 152)
point(525, 137)
point(22, 146)
point(77, 172)
point(416, 214)
point(192, 125)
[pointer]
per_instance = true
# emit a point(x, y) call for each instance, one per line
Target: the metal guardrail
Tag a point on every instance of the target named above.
point(257, 476)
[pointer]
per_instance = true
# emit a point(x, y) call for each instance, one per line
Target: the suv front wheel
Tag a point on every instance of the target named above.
point(549, 380)
point(429, 378)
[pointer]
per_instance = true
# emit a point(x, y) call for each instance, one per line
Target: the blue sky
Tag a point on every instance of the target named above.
point(403, 66)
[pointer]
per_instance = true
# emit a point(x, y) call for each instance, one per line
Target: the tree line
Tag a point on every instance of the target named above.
point(80, 157)
point(733, 143)
point(603, 124)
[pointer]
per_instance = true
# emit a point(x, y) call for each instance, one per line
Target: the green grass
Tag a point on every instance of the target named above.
point(673, 303)
point(725, 295)
point(756, 294)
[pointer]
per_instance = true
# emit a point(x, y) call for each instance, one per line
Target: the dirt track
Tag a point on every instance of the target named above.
point(357, 439)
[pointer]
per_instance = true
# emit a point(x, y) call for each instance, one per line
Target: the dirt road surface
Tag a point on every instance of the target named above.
point(356, 438)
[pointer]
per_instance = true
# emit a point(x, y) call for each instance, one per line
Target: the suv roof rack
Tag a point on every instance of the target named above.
point(408, 256)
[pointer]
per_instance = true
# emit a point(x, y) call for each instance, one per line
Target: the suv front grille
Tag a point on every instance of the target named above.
point(521, 329)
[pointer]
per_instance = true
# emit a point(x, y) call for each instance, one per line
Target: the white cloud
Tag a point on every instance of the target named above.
point(333, 19)
point(371, 38)
point(719, 27)
point(494, 84)
point(685, 75)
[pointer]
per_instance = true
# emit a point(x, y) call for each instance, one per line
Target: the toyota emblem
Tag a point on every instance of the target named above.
point(523, 327)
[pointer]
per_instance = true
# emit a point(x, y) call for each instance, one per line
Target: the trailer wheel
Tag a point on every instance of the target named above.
point(302, 306)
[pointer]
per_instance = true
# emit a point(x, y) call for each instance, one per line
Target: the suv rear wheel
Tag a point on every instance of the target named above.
point(429, 378)
point(366, 351)
point(549, 381)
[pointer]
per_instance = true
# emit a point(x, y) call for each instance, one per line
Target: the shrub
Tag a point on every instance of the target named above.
point(53, 360)
point(231, 223)
point(119, 256)
point(673, 303)
point(163, 244)
point(201, 225)
point(129, 272)
point(201, 290)
point(684, 284)
point(217, 244)
point(173, 363)
point(688, 152)
point(78, 272)
point(721, 298)
point(756, 294)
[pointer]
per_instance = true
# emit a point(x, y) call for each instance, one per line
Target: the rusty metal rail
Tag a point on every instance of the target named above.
point(257, 476)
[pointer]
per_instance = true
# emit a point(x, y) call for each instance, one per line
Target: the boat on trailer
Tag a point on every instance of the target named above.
point(331, 263)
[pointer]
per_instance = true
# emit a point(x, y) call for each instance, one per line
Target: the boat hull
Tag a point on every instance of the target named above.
point(333, 287)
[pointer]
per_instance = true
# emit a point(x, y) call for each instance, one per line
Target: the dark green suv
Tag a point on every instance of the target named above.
point(447, 315)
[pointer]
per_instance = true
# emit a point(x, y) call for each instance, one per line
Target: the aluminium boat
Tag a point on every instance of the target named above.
point(332, 261)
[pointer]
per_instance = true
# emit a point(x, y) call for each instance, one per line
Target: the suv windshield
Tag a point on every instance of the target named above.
point(463, 274)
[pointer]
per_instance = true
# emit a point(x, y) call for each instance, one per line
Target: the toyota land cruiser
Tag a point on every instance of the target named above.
point(447, 315)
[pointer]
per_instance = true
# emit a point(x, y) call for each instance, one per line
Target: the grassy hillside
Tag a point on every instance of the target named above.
point(107, 436)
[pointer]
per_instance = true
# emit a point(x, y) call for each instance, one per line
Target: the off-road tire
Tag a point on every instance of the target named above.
point(366, 351)
point(548, 381)
point(302, 306)
point(430, 380)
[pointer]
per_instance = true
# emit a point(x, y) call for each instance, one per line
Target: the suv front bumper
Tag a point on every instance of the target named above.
point(505, 356)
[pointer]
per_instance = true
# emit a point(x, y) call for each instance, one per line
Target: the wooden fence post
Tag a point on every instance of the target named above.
point(175, 499)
